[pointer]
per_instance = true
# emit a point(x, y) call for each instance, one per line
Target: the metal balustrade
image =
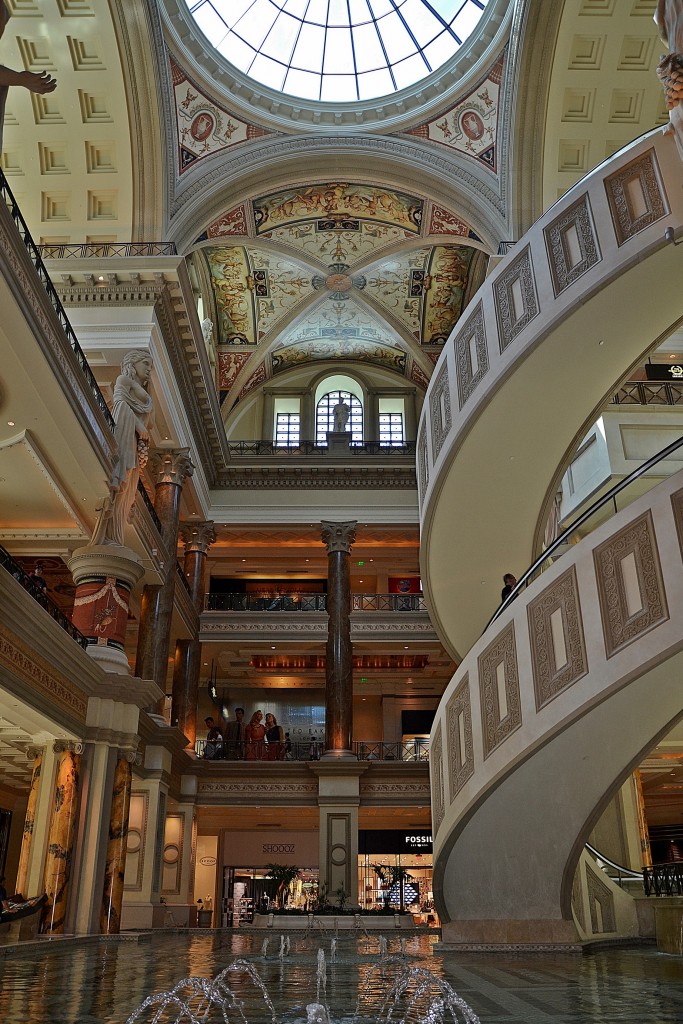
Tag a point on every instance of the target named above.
point(310, 449)
point(409, 751)
point(38, 593)
point(34, 253)
point(663, 879)
point(142, 491)
point(311, 603)
point(85, 250)
point(183, 578)
point(649, 392)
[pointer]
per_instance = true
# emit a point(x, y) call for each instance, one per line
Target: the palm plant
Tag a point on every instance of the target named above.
point(283, 875)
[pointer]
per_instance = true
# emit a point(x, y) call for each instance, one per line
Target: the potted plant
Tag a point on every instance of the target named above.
point(282, 875)
point(204, 912)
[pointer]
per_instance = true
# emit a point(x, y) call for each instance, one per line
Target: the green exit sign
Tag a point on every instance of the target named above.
point(363, 679)
point(360, 563)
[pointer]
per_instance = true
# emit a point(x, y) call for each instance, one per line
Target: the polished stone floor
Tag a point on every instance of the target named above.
point(104, 982)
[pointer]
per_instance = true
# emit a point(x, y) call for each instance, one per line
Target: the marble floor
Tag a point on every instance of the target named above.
point(104, 982)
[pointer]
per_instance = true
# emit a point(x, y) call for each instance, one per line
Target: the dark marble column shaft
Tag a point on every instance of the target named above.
point(173, 466)
point(338, 662)
point(115, 868)
point(186, 667)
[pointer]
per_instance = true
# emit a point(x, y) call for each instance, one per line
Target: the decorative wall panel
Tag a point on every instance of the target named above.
point(636, 196)
point(555, 669)
point(440, 410)
point(599, 896)
point(471, 355)
point(460, 747)
point(501, 711)
point(572, 245)
point(436, 773)
point(622, 622)
point(516, 299)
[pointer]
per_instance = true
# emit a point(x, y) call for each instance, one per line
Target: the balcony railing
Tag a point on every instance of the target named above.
point(663, 879)
point(149, 505)
point(38, 592)
point(183, 578)
point(85, 250)
point(388, 603)
point(642, 392)
point(34, 253)
point(311, 603)
point(310, 449)
point(311, 750)
point(265, 603)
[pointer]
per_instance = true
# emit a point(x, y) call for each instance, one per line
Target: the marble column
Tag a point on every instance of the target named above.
point(27, 839)
point(198, 538)
point(115, 867)
point(61, 838)
point(338, 662)
point(172, 467)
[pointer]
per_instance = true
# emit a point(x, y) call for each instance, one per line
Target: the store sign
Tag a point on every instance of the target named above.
point(420, 842)
point(278, 848)
point(389, 841)
point(207, 862)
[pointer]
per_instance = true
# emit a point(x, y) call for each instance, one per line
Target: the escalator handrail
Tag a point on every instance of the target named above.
point(604, 500)
point(625, 872)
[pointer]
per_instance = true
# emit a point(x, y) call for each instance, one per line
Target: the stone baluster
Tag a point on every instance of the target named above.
point(172, 466)
point(338, 662)
point(198, 538)
point(61, 837)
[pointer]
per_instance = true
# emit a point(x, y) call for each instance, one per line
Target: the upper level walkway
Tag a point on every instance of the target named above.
point(564, 317)
point(565, 692)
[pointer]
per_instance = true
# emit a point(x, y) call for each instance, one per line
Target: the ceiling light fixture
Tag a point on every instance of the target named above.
point(10, 423)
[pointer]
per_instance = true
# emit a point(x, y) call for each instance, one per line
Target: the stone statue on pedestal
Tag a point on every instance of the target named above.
point(340, 415)
point(669, 20)
point(133, 413)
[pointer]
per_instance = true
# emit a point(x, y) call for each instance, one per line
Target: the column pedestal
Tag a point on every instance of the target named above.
point(338, 801)
point(104, 575)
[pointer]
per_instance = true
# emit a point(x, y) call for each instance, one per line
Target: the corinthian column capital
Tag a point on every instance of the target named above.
point(339, 536)
point(171, 465)
point(197, 536)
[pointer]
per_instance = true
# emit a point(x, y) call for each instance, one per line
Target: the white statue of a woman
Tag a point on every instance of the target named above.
point(669, 20)
point(133, 413)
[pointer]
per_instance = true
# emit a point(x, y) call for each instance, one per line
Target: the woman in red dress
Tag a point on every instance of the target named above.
point(255, 737)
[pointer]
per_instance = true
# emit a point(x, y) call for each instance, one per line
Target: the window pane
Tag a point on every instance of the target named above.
point(376, 42)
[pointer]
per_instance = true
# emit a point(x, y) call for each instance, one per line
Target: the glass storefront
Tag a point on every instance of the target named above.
point(250, 890)
point(395, 870)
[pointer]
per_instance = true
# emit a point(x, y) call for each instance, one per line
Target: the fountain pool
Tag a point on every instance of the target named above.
point(104, 982)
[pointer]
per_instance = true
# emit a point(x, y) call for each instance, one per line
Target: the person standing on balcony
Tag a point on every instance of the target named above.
point(41, 83)
point(275, 738)
point(256, 738)
point(235, 736)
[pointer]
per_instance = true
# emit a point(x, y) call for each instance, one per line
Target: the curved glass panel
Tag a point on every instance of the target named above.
point(337, 50)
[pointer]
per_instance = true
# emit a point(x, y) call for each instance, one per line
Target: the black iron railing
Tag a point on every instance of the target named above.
point(37, 591)
point(664, 879)
point(265, 603)
point(34, 253)
point(311, 750)
point(387, 603)
point(611, 495)
point(84, 250)
point(308, 449)
point(649, 392)
point(149, 505)
point(617, 872)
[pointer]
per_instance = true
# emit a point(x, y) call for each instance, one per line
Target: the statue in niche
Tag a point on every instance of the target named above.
point(133, 412)
point(669, 20)
point(207, 331)
point(40, 83)
point(340, 417)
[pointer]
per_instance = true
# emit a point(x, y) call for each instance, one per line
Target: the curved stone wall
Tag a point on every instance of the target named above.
point(545, 718)
point(577, 302)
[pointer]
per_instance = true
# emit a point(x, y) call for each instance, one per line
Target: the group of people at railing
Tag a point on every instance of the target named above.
point(252, 741)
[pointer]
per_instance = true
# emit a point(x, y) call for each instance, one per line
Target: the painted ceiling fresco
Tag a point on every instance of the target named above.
point(334, 271)
point(324, 204)
point(253, 290)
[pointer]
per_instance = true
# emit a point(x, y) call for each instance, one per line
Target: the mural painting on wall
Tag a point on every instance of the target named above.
point(335, 319)
point(445, 287)
point(339, 239)
point(229, 366)
point(234, 222)
point(253, 291)
point(204, 127)
point(329, 347)
point(443, 222)
point(471, 127)
point(235, 301)
point(418, 376)
point(327, 202)
point(259, 376)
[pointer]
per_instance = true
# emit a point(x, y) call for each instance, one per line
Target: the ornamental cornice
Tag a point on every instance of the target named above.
point(197, 536)
point(339, 536)
point(339, 477)
point(34, 670)
point(114, 293)
point(263, 790)
point(171, 465)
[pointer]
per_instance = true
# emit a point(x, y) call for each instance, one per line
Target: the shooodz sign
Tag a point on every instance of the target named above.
point(279, 848)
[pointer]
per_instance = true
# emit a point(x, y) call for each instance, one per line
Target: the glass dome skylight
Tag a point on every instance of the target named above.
point(337, 51)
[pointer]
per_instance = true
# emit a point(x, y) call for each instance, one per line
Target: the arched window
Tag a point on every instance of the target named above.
point(324, 416)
